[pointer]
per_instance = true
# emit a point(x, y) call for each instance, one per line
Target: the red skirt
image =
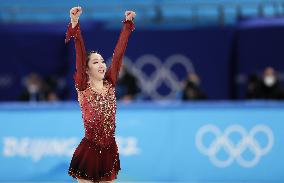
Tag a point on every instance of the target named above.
point(95, 163)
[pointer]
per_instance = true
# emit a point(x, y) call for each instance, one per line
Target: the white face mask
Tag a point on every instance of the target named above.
point(32, 88)
point(269, 80)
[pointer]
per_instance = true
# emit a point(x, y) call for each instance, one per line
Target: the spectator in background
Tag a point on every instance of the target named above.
point(126, 89)
point(268, 87)
point(57, 88)
point(192, 89)
point(253, 87)
point(35, 89)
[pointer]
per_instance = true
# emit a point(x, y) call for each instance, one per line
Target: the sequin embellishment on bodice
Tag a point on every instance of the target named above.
point(98, 113)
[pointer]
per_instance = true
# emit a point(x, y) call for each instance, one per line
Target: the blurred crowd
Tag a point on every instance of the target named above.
point(36, 88)
point(264, 86)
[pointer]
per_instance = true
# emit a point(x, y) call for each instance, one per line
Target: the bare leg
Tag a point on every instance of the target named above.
point(84, 181)
point(88, 181)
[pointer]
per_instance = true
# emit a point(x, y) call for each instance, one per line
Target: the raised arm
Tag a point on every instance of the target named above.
point(80, 76)
point(127, 28)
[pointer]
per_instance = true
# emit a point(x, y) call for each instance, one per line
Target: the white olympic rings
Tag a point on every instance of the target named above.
point(234, 151)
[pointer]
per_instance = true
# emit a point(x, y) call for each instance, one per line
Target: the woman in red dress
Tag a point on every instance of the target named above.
point(96, 158)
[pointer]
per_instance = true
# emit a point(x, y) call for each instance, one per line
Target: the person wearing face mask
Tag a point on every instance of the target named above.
point(34, 89)
point(270, 86)
point(96, 159)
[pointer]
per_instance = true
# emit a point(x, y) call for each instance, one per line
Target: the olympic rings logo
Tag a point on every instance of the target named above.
point(152, 73)
point(235, 151)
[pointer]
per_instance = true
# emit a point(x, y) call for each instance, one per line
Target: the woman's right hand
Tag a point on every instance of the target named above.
point(75, 13)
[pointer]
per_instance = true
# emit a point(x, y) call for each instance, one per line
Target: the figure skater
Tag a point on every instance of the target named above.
point(96, 158)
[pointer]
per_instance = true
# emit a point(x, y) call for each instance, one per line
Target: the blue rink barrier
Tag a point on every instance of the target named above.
point(186, 142)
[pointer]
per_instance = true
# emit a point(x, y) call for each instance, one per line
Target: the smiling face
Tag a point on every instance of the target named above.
point(96, 66)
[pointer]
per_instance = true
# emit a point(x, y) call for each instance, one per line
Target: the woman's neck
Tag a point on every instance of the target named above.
point(97, 84)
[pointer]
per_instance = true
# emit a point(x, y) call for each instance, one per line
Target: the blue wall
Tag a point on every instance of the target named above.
point(198, 142)
point(160, 58)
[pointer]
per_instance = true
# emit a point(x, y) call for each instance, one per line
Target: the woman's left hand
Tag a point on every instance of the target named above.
point(130, 15)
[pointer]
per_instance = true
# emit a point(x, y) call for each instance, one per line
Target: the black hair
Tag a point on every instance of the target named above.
point(89, 54)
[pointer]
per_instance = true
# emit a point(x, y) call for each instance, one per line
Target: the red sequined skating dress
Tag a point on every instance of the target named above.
point(96, 158)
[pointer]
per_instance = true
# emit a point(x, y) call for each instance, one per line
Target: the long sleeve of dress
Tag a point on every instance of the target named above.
point(113, 71)
point(80, 75)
